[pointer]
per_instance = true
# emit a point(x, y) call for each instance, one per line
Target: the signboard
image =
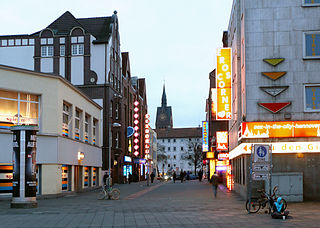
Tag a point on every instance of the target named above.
point(223, 83)
point(280, 129)
point(261, 167)
point(260, 176)
point(222, 140)
point(146, 134)
point(127, 159)
point(210, 155)
point(223, 156)
point(130, 131)
point(261, 153)
point(214, 102)
point(205, 131)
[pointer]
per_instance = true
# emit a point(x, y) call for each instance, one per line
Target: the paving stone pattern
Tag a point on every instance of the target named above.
point(162, 204)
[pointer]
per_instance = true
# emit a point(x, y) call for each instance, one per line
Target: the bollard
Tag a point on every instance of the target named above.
point(24, 185)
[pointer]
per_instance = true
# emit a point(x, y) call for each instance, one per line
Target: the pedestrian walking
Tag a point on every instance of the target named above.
point(130, 178)
point(174, 176)
point(188, 175)
point(181, 175)
point(214, 181)
point(152, 177)
point(200, 173)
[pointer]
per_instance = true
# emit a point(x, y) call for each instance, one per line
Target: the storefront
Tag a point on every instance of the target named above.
point(295, 157)
point(68, 124)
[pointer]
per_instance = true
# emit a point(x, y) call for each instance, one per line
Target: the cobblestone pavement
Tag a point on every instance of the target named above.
point(188, 204)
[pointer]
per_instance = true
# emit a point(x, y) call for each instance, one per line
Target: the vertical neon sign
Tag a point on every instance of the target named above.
point(146, 134)
point(223, 82)
point(205, 145)
point(136, 128)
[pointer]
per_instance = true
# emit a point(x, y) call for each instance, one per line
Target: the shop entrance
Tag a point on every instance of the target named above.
point(77, 178)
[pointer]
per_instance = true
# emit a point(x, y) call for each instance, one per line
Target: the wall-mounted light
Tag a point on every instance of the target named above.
point(80, 156)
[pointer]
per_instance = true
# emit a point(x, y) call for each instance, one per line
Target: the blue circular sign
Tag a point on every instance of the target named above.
point(130, 131)
point(261, 151)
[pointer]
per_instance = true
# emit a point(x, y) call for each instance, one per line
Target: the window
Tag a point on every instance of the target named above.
point(94, 131)
point(174, 148)
point(174, 165)
point(65, 119)
point(18, 109)
point(77, 124)
point(168, 140)
point(189, 139)
point(77, 49)
point(312, 98)
point(174, 140)
point(169, 148)
point(117, 111)
point(117, 140)
point(189, 148)
point(168, 165)
point(174, 157)
point(77, 39)
point(181, 148)
point(111, 109)
point(311, 45)
point(86, 128)
point(62, 50)
point(163, 140)
point(46, 51)
point(311, 2)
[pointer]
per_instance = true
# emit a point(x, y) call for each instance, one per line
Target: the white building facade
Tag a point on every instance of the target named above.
point(177, 144)
point(69, 140)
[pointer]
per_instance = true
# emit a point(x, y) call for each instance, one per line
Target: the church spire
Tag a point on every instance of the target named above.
point(164, 97)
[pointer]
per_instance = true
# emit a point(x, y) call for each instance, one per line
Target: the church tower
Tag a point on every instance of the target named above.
point(164, 113)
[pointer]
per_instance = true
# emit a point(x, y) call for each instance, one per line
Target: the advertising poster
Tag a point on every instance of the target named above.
point(30, 168)
point(16, 164)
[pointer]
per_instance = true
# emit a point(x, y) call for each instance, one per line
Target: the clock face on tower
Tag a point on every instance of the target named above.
point(162, 116)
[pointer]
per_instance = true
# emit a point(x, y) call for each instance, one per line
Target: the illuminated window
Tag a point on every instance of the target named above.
point(311, 2)
point(311, 45)
point(18, 109)
point(312, 98)
point(46, 51)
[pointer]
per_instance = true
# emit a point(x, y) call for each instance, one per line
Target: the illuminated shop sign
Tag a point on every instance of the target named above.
point(223, 83)
point(213, 103)
point(136, 129)
point(205, 130)
point(210, 155)
point(280, 129)
point(223, 156)
point(279, 148)
point(127, 159)
point(146, 134)
point(222, 140)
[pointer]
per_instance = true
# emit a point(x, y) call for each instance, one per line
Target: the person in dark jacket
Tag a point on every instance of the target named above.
point(214, 181)
point(181, 175)
point(152, 177)
point(174, 177)
point(200, 173)
point(130, 178)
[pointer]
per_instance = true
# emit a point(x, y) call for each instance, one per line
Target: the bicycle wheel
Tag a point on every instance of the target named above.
point(254, 206)
point(115, 194)
point(101, 194)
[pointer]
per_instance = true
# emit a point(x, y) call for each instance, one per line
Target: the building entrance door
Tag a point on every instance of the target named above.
point(77, 178)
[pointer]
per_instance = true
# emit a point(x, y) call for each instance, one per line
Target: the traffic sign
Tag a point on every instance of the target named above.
point(260, 176)
point(261, 153)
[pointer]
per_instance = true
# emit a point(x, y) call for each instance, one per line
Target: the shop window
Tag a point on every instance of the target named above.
point(18, 109)
point(86, 177)
point(311, 2)
point(94, 176)
point(66, 119)
point(312, 98)
point(311, 45)
point(64, 177)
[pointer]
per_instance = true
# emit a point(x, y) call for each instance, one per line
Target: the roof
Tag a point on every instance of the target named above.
point(195, 132)
point(99, 27)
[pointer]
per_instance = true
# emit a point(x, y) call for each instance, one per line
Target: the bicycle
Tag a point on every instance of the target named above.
point(109, 193)
point(264, 200)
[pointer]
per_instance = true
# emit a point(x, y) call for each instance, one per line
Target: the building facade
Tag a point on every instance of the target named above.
point(86, 52)
point(69, 139)
point(275, 75)
point(178, 145)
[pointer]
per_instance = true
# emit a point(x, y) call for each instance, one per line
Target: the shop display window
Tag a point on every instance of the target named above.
point(18, 109)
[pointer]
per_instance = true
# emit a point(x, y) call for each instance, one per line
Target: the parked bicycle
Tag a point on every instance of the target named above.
point(109, 193)
point(265, 200)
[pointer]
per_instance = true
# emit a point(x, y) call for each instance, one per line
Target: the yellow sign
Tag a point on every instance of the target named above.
point(223, 83)
point(210, 155)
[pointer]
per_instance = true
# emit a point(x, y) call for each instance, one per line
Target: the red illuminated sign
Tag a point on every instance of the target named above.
point(223, 156)
point(136, 129)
